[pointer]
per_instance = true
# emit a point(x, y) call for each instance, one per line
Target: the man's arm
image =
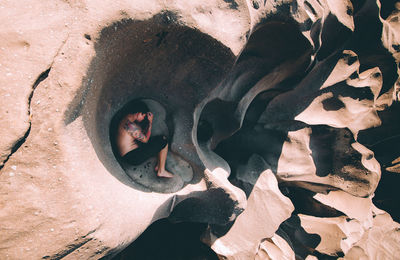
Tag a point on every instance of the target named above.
point(150, 118)
point(136, 132)
point(149, 129)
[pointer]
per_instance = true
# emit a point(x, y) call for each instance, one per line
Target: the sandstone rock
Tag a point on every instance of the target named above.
point(266, 209)
point(26, 56)
point(381, 241)
point(274, 248)
point(282, 117)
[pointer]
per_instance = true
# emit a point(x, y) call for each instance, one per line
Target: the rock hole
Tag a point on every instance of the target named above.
point(232, 4)
point(204, 131)
point(349, 10)
point(169, 65)
point(87, 36)
point(332, 104)
point(256, 5)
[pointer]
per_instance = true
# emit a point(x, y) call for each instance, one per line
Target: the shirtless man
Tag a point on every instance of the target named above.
point(134, 143)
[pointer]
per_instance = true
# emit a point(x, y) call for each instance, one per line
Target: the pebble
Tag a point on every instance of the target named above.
point(14, 167)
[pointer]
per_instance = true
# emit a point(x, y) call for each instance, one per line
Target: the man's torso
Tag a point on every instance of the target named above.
point(125, 140)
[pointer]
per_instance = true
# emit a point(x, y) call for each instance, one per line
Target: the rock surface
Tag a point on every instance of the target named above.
point(282, 117)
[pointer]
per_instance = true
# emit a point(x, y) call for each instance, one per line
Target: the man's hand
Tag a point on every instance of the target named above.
point(150, 117)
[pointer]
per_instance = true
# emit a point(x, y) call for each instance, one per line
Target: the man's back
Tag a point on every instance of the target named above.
point(124, 139)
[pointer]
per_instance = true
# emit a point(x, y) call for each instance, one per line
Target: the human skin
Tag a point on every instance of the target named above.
point(129, 133)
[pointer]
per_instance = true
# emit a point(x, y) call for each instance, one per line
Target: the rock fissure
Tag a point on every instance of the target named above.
point(42, 76)
point(22, 140)
point(72, 247)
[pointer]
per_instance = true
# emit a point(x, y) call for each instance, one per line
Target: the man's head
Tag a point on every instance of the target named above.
point(137, 108)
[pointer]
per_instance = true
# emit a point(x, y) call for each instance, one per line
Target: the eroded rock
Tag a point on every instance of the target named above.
point(282, 118)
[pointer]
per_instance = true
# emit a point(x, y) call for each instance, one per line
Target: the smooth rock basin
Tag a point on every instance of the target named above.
point(144, 174)
point(174, 67)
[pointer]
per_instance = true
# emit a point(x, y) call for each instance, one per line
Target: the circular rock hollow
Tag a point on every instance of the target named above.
point(144, 173)
point(171, 66)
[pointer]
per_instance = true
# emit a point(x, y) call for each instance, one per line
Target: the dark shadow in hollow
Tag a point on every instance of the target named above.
point(165, 240)
point(333, 104)
point(299, 240)
point(333, 35)
point(275, 41)
point(183, 228)
point(212, 206)
point(357, 5)
point(387, 7)
point(366, 42)
point(387, 195)
point(384, 141)
point(302, 243)
point(132, 62)
point(217, 114)
point(270, 45)
point(306, 204)
point(325, 142)
point(256, 140)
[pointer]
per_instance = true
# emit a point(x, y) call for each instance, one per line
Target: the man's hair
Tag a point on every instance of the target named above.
point(134, 106)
